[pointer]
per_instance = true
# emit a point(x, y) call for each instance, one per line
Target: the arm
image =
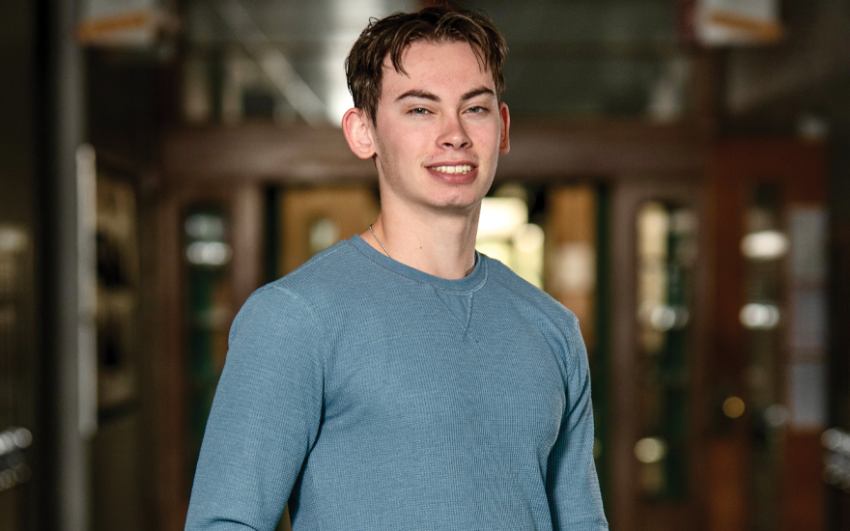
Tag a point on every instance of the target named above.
point(265, 416)
point(572, 484)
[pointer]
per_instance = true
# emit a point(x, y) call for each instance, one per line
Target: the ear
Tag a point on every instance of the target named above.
point(505, 118)
point(356, 126)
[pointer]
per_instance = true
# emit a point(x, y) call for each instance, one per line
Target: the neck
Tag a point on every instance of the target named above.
point(441, 245)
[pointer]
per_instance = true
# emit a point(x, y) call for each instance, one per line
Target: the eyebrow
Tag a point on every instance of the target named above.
point(416, 93)
point(477, 92)
point(424, 94)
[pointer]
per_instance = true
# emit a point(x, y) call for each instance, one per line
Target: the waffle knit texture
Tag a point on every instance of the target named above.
point(374, 397)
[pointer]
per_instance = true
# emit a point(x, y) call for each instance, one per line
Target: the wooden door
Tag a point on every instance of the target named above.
point(312, 219)
point(767, 378)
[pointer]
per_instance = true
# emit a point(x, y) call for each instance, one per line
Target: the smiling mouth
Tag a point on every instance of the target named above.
point(453, 170)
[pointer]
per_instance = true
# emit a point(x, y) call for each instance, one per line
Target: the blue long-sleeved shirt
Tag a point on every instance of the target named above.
point(373, 396)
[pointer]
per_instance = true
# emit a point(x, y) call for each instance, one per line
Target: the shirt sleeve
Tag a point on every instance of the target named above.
point(265, 416)
point(572, 484)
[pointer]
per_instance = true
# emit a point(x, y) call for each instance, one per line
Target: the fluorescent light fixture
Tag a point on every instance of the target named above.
point(765, 245)
point(759, 316)
point(208, 253)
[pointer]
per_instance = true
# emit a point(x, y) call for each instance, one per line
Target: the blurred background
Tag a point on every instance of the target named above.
point(679, 177)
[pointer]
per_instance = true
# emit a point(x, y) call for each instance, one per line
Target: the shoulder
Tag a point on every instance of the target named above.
point(299, 311)
point(327, 267)
point(271, 315)
point(295, 293)
point(557, 323)
point(319, 291)
point(504, 279)
point(329, 278)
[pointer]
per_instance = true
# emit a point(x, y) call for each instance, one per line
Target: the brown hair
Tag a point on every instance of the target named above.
point(393, 34)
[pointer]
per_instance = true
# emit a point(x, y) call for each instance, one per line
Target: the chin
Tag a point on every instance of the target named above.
point(460, 197)
point(457, 205)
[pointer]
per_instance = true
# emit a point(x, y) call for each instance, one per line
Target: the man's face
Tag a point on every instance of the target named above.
point(439, 129)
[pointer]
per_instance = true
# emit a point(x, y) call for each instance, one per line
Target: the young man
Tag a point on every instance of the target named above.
point(399, 380)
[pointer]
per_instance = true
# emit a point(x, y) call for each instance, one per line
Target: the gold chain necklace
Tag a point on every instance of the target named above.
point(379, 241)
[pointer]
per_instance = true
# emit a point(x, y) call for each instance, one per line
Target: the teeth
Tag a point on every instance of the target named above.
point(463, 168)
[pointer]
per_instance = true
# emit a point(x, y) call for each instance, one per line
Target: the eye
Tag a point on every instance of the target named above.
point(419, 111)
point(478, 109)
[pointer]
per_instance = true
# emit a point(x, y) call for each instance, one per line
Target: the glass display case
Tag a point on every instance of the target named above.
point(666, 246)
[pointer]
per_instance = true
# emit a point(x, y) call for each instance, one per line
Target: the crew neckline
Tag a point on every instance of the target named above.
point(471, 282)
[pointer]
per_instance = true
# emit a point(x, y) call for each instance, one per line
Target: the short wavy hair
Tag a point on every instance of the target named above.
point(390, 36)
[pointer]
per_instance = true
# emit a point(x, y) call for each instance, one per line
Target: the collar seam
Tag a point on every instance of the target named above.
point(472, 289)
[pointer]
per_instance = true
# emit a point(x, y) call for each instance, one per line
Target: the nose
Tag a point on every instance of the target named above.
point(453, 134)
